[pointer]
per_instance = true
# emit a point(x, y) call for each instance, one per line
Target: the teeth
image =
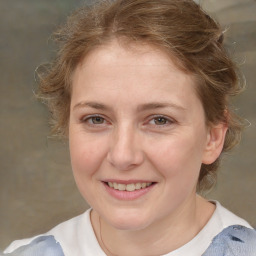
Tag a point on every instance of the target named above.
point(121, 187)
point(129, 187)
point(138, 186)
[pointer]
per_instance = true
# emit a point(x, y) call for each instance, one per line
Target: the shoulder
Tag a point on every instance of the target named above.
point(40, 246)
point(67, 236)
point(226, 218)
point(234, 240)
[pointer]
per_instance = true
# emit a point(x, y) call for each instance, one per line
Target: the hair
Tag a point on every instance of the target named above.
point(178, 27)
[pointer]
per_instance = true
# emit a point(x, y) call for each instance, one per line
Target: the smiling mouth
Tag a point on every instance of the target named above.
point(129, 187)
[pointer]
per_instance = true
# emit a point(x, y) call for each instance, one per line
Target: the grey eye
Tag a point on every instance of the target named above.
point(160, 121)
point(97, 120)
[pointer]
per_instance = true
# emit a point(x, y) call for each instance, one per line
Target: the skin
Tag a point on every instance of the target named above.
point(150, 126)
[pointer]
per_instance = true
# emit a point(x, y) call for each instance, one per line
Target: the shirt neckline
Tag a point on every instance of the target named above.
point(195, 247)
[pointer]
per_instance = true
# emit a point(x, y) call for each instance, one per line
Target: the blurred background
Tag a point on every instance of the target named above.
point(37, 190)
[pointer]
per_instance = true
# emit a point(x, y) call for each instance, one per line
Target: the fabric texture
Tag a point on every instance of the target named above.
point(233, 241)
point(41, 246)
point(225, 234)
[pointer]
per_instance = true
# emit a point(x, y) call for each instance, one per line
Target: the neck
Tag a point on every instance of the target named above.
point(162, 237)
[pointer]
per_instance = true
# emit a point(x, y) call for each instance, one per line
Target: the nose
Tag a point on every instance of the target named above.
point(125, 151)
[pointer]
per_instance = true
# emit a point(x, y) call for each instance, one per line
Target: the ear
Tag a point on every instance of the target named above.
point(215, 141)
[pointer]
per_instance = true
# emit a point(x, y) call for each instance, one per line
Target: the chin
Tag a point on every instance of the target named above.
point(128, 221)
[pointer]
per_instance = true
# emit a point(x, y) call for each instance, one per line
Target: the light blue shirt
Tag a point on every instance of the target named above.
point(233, 241)
point(41, 246)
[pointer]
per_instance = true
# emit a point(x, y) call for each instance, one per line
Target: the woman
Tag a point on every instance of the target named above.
point(141, 89)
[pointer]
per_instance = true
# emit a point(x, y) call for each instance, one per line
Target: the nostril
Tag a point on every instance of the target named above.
point(124, 160)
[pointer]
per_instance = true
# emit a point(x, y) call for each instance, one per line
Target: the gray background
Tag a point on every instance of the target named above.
point(37, 190)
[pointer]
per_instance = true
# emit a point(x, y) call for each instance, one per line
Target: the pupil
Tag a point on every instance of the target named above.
point(161, 120)
point(97, 120)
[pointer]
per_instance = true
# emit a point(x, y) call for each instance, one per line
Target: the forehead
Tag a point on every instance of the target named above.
point(126, 53)
point(131, 72)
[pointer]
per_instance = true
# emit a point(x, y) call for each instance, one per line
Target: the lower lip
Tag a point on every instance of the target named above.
point(128, 195)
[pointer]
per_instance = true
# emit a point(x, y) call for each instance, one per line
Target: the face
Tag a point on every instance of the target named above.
point(137, 124)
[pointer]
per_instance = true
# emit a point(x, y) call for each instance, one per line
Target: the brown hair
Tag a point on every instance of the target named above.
point(179, 27)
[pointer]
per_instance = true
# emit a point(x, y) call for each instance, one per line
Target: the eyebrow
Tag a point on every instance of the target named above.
point(158, 105)
point(94, 105)
point(140, 108)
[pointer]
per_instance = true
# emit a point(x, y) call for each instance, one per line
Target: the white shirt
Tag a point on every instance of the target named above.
point(77, 238)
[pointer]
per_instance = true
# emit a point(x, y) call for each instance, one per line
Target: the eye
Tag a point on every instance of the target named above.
point(94, 120)
point(97, 120)
point(160, 121)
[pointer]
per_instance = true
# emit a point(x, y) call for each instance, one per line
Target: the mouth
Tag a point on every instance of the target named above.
point(128, 190)
point(130, 187)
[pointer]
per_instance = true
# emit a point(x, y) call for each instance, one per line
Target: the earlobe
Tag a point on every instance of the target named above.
point(215, 141)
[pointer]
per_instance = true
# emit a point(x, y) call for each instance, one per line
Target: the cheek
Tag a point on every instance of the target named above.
point(86, 158)
point(85, 153)
point(178, 157)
